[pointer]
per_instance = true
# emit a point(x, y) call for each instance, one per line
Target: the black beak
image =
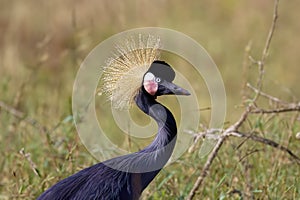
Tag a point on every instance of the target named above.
point(165, 88)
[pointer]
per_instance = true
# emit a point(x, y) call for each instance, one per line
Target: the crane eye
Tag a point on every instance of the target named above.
point(157, 80)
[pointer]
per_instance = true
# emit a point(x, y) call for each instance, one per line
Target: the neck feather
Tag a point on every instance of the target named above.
point(165, 120)
point(167, 130)
point(160, 150)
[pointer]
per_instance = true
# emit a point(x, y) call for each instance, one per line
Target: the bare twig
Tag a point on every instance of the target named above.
point(271, 32)
point(210, 134)
point(274, 99)
point(245, 67)
point(229, 131)
point(261, 62)
point(31, 121)
point(270, 143)
point(31, 163)
point(237, 124)
point(233, 129)
point(294, 108)
point(12, 110)
point(20, 115)
point(206, 167)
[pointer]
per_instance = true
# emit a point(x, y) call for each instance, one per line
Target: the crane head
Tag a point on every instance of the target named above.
point(136, 62)
point(158, 79)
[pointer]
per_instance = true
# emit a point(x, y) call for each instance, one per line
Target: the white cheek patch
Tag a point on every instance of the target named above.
point(150, 84)
point(149, 77)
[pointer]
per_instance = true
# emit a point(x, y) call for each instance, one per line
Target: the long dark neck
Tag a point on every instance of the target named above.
point(167, 129)
point(160, 150)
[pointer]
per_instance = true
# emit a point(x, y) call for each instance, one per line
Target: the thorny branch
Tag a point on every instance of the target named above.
point(250, 109)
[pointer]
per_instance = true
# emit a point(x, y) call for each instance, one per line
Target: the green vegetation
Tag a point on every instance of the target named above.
point(44, 42)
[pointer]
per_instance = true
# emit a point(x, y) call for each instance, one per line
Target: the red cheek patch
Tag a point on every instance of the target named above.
point(151, 87)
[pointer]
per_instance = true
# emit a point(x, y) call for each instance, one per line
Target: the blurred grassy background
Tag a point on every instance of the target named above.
point(43, 43)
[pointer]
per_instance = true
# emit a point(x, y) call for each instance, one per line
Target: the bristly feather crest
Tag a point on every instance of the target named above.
point(123, 74)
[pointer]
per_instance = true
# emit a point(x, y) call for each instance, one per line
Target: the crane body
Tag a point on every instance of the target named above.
point(125, 177)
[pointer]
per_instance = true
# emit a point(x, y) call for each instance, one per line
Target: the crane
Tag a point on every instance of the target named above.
point(103, 182)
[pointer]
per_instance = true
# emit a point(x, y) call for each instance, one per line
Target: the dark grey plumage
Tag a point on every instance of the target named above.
point(101, 182)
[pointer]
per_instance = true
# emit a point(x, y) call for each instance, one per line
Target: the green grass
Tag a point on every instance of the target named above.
point(43, 44)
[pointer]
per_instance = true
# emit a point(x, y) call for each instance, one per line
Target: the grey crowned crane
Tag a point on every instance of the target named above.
point(136, 75)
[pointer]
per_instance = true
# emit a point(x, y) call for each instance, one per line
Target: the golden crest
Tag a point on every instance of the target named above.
point(123, 74)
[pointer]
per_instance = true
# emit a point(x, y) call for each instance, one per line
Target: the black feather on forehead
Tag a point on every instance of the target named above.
point(163, 70)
